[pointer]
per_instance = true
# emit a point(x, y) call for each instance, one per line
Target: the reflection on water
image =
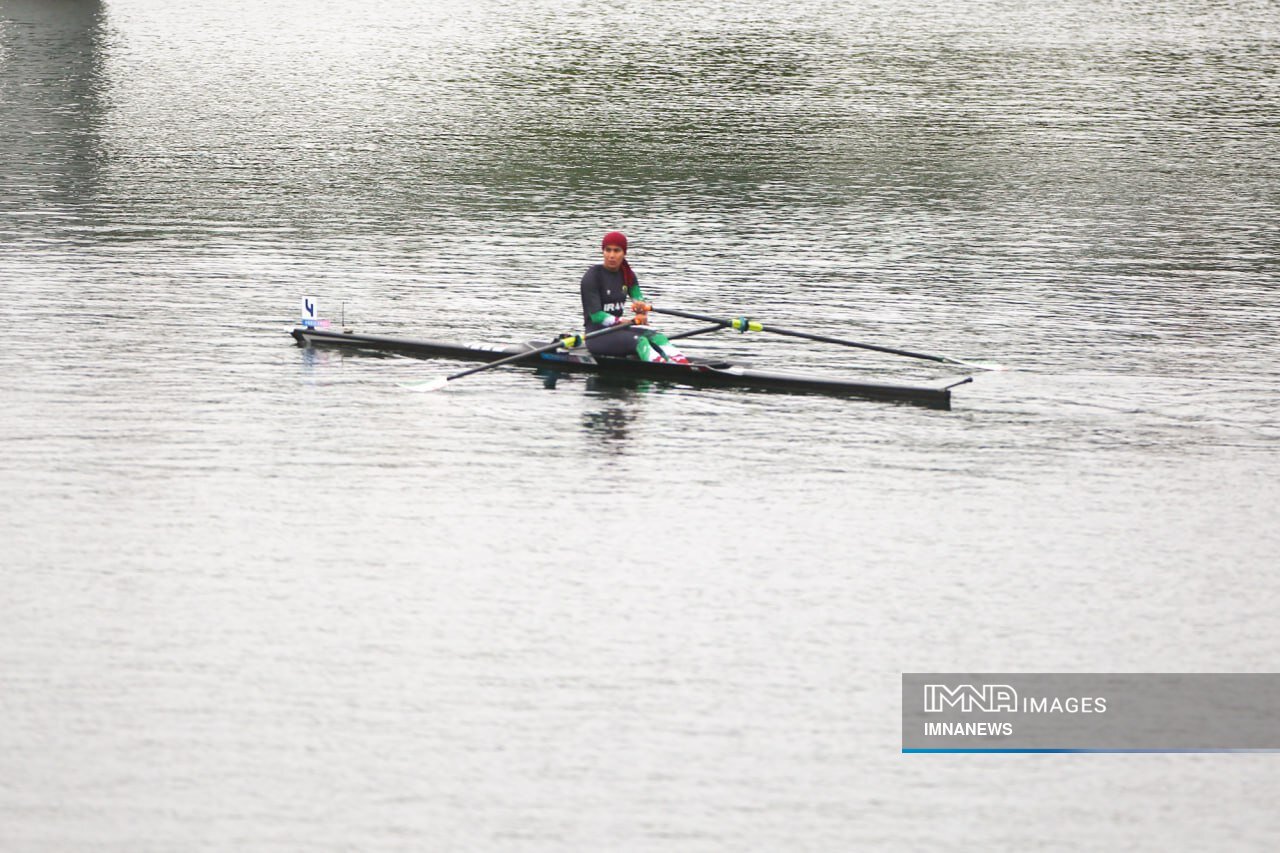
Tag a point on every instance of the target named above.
point(612, 386)
point(609, 424)
point(550, 378)
point(616, 406)
point(53, 104)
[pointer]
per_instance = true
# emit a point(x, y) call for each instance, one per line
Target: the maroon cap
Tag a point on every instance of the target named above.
point(614, 238)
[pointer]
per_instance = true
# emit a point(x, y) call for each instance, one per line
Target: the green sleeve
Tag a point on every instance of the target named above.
point(600, 317)
point(636, 292)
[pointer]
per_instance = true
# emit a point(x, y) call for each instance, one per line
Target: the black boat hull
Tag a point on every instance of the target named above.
point(697, 373)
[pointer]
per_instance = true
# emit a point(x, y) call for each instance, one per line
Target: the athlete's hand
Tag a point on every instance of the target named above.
point(639, 307)
point(641, 319)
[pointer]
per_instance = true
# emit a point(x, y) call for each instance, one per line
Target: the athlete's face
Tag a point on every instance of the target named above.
point(613, 256)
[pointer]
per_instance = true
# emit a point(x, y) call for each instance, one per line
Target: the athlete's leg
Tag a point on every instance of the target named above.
point(669, 350)
point(618, 344)
point(646, 350)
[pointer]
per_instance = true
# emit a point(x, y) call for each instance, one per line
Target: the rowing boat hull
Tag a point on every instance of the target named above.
point(714, 374)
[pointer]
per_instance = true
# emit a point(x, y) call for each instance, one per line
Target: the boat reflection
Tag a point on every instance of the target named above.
point(610, 426)
point(314, 360)
point(616, 395)
point(609, 421)
point(603, 385)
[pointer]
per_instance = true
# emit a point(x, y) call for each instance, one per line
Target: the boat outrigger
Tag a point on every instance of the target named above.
point(577, 360)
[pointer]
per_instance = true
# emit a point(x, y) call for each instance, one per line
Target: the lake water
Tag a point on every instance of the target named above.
point(262, 598)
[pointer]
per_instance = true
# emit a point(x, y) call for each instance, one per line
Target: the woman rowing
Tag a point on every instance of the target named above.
point(605, 290)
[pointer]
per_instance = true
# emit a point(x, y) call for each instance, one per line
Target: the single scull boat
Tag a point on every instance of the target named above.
point(697, 373)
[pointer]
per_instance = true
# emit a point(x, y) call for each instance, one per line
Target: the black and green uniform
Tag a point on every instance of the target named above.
point(604, 298)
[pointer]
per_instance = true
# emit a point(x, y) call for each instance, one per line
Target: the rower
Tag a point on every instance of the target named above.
point(605, 289)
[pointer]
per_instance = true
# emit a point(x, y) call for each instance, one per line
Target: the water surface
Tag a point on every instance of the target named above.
point(258, 597)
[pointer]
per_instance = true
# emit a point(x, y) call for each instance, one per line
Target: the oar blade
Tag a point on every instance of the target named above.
point(428, 385)
point(976, 365)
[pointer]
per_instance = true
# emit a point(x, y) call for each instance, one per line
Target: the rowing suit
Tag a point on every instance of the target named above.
point(604, 297)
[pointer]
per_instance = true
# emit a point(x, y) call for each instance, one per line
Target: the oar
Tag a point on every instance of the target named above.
point(568, 341)
point(700, 331)
point(744, 324)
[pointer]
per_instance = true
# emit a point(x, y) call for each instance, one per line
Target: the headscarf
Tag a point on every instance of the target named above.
point(617, 238)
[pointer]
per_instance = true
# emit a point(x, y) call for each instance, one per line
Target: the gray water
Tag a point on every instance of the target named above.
point(262, 598)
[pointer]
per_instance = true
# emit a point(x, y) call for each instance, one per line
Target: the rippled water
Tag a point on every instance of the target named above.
point(257, 597)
